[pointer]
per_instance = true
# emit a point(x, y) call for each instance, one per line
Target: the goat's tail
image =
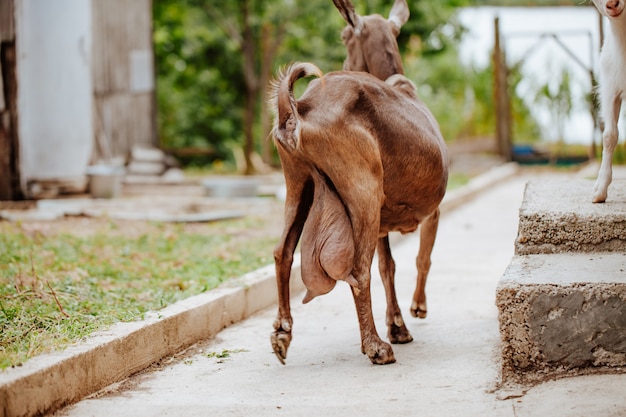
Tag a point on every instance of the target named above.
point(286, 124)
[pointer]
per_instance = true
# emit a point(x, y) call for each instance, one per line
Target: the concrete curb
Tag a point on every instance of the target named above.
point(49, 382)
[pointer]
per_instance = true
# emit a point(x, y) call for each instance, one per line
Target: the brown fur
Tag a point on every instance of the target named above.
point(362, 157)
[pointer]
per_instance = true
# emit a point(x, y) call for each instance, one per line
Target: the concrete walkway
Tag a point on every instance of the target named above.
point(451, 368)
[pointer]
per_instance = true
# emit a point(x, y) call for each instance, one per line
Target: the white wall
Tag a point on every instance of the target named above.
point(53, 40)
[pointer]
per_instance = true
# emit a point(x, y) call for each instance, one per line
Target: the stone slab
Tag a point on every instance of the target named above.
point(562, 313)
point(557, 215)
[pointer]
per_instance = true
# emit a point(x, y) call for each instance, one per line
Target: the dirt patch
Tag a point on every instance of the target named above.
point(134, 217)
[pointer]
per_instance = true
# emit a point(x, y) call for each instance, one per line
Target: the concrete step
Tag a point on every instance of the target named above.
point(557, 215)
point(562, 313)
point(562, 300)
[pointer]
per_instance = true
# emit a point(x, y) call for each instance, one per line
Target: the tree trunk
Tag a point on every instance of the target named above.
point(270, 44)
point(501, 98)
point(9, 147)
point(252, 87)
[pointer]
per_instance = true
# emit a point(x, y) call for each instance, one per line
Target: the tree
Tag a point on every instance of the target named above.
point(558, 98)
point(199, 77)
point(215, 60)
point(257, 32)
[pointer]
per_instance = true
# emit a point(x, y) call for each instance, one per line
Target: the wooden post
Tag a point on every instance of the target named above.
point(9, 147)
point(501, 97)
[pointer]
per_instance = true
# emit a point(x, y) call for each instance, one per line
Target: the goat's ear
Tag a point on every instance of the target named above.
point(398, 15)
point(346, 8)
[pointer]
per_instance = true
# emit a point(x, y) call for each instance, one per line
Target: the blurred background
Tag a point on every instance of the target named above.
point(179, 87)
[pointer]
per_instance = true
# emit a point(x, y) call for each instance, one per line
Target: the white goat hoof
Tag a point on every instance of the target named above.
point(599, 193)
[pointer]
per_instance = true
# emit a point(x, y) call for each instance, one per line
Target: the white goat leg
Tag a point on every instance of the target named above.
point(612, 87)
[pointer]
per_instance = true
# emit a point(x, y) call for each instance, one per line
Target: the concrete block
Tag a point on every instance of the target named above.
point(557, 215)
point(561, 313)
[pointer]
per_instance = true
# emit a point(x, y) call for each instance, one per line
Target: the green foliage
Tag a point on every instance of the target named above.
point(526, 2)
point(202, 87)
point(313, 35)
point(224, 354)
point(461, 97)
point(525, 127)
point(558, 99)
point(441, 86)
point(457, 180)
point(200, 76)
point(199, 79)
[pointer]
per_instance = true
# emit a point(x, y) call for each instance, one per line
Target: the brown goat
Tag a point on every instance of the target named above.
point(361, 157)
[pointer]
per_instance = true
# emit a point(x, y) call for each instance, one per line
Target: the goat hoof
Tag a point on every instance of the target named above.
point(419, 311)
point(600, 192)
point(599, 197)
point(399, 334)
point(280, 343)
point(380, 353)
point(397, 331)
point(420, 314)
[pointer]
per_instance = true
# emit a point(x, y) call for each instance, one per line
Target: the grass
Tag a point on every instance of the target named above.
point(457, 180)
point(57, 288)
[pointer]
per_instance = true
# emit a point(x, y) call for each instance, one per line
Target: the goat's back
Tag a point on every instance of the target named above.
point(345, 108)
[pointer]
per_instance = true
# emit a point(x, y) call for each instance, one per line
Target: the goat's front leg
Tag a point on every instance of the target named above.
point(428, 233)
point(396, 329)
point(610, 110)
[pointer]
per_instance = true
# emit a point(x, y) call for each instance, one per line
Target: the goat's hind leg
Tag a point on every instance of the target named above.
point(428, 233)
point(379, 352)
point(299, 197)
point(610, 110)
point(365, 226)
point(283, 256)
point(396, 329)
